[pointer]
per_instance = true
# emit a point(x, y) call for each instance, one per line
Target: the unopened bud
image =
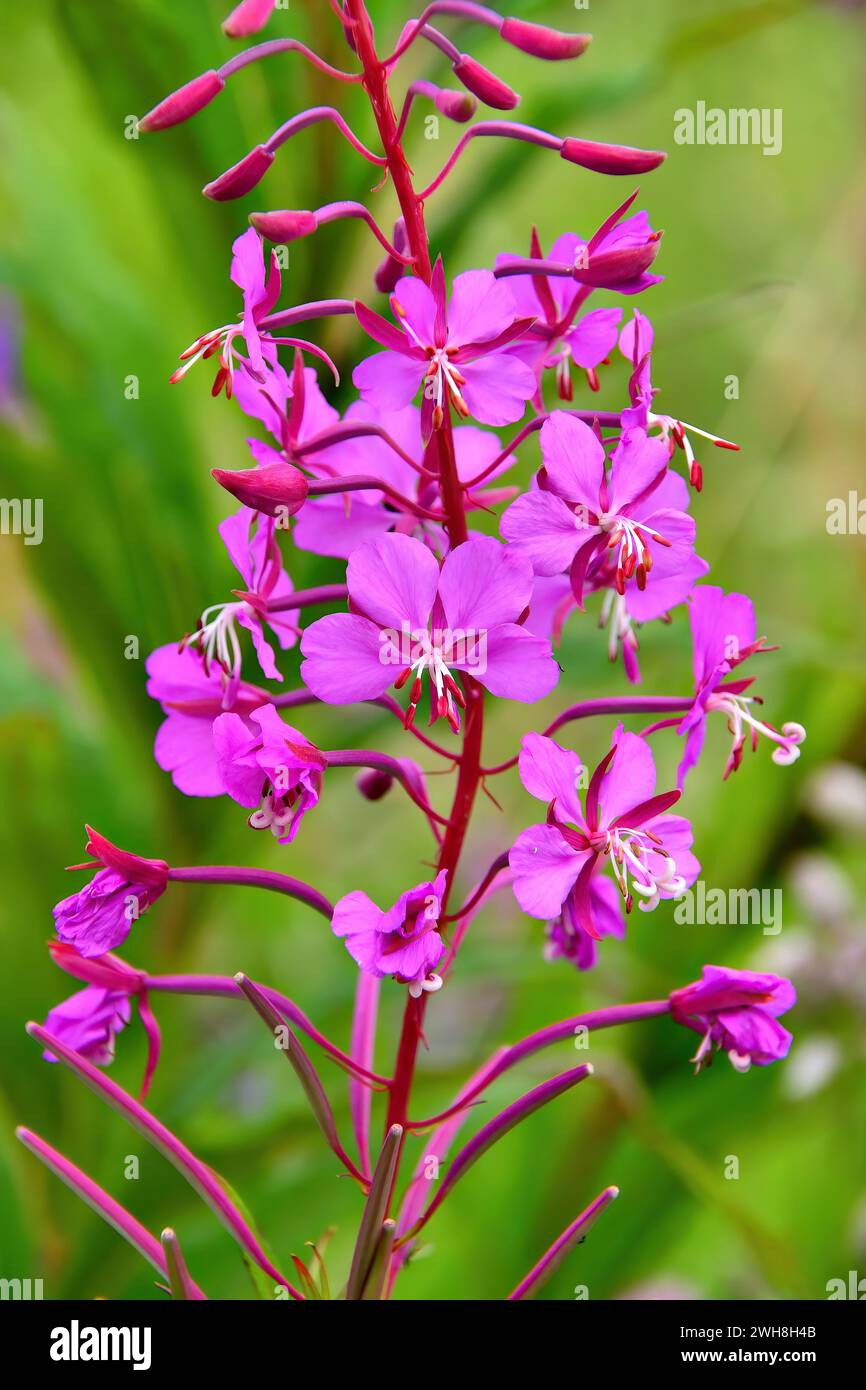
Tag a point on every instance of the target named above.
point(242, 177)
point(248, 18)
point(373, 784)
point(610, 159)
point(484, 84)
point(277, 488)
point(457, 106)
point(607, 269)
point(389, 271)
point(282, 227)
point(185, 102)
point(542, 42)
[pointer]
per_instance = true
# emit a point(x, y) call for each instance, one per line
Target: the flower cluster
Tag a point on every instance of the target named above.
point(425, 615)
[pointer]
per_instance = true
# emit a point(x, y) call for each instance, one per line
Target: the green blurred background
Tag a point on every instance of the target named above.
point(113, 262)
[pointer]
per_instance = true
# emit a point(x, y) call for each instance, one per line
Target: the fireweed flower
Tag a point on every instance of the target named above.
point(635, 343)
point(192, 695)
point(274, 769)
point(737, 1010)
point(723, 637)
point(89, 1021)
point(403, 942)
point(455, 347)
point(100, 915)
point(292, 416)
point(251, 542)
point(336, 525)
point(624, 821)
point(410, 618)
point(584, 517)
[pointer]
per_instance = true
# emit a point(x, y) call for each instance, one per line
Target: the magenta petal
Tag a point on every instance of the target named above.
point(481, 308)
point(483, 584)
point(513, 664)
point(388, 380)
point(594, 336)
point(417, 300)
point(184, 747)
point(573, 459)
point(235, 747)
point(545, 870)
point(393, 581)
point(550, 773)
point(639, 463)
point(629, 780)
point(328, 526)
point(342, 660)
point(497, 388)
point(544, 529)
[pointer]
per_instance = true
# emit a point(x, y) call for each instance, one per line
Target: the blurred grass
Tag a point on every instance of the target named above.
point(116, 262)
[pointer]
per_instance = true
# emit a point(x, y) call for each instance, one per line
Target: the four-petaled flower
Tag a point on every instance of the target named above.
point(404, 942)
point(456, 348)
point(737, 1010)
point(723, 636)
point(273, 768)
point(554, 865)
point(409, 617)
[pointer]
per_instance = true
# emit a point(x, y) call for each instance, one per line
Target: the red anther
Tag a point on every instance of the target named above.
point(441, 707)
point(485, 85)
point(726, 444)
point(177, 375)
point(454, 721)
point(629, 903)
point(564, 383)
point(660, 540)
point(185, 102)
point(679, 434)
point(641, 577)
point(630, 562)
point(242, 177)
point(220, 379)
point(403, 677)
point(438, 417)
point(455, 690)
point(417, 687)
point(647, 559)
point(696, 476)
point(614, 540)
point(409, 717)
point(542, 42)
point(592, 378)
point(620, 583)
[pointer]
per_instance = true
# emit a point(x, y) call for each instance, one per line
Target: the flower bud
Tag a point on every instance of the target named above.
point(457, 106)
point(542, 42)
point(108, 971)
point(484, 84)
point(248, 18)
point(285, 226)
point(608, 269)
point(373, 784)
point(185, 102)
point(610, 159)
point(276, 489)
point(243, 176)
point(389, 271)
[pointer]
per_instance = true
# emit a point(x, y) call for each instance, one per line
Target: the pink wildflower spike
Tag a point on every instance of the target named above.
point(242, 177)
point(248, 18)
point(736, 1010)
point(610, 159)
point(484, 84)
point(278, 489)
point(187, 101)
point(543, 42)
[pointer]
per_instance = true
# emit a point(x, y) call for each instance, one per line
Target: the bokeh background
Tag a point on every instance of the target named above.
point(112, 262)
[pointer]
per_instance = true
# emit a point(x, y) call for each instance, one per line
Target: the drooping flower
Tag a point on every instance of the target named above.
point(403, 942)
point(408, 618)
point(89, 1021)
point(455, 347)
point(100, 915)
point(594, 521)
point(337, 524)
point(737, 1010)
point(624, 822)
point(192, 695)
point(723, 637)
point(250, 539)
point(273, 768)
point(635, 343)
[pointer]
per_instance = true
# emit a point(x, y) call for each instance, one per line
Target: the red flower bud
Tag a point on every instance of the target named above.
point(484, 84)
point(248, 18)
point(611, 159)
point(276, 488)
point(132, 867)
point(108, 971)
point(243, 176)
point(185, 102)
point(607, 269)
point(373, 784)
point(542, 42)
point(282, 227)
point(457, 106)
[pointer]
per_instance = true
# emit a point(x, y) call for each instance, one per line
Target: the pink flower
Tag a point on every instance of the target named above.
point(89, 1022)
point(292, 408)
point(192, 695)
point(403, 942)
point(409, 617)
point(250, 539)
point(723, 636)
point(566, 937)
point(99, 916)
point(624, 822)
point(275, 754)
point(598, 522)
point(736, 1010)
point(456, 349)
